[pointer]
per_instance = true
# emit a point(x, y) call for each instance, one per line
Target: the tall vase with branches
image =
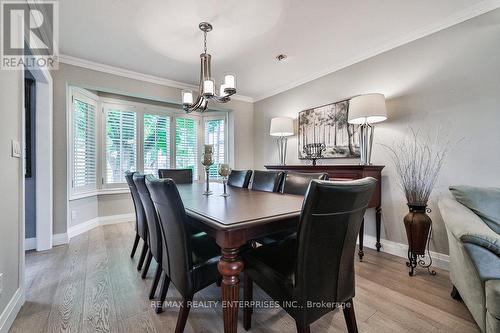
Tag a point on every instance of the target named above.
point(417, 160)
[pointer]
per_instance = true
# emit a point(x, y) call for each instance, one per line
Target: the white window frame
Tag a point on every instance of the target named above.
point(90, 98)
point(104, 103)
point(217, 116)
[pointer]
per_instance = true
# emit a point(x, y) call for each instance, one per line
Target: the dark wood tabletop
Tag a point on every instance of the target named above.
point(242, 207)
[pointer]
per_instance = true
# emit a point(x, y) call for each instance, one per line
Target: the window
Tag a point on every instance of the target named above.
point(111, 136)
point(84, 157)
point(215, 135)
point(121, 143)
point(156, 143)
point(186, 144)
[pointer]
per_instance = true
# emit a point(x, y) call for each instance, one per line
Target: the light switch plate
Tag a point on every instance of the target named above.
point(16, 149)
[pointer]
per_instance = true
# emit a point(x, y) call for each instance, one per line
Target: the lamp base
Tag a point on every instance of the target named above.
point(365, 143)
point(282, 142)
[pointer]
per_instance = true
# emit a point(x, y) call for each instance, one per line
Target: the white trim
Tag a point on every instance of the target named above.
point(98, 221)
point(60, 239)
point(463, 15)
point(29, 244)
point(401, 250)
point(70, 60)
point(11, 310)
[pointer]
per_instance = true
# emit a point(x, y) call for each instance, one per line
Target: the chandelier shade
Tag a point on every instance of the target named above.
point(207, 87)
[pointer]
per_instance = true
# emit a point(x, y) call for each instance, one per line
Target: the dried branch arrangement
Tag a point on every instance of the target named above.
point(418, 160)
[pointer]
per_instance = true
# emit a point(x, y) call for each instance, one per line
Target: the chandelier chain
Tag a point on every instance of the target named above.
point(205, 41)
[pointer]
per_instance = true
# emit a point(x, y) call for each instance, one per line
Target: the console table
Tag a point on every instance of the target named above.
point(348, 172)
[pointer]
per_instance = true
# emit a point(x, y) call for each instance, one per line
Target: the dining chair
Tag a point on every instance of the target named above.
point(155, 238)
point(298, 182)
point(267, 181)
point(180, 176)
point(191, 263)
point(141, 227)
point(308, 273)
point(239, 178)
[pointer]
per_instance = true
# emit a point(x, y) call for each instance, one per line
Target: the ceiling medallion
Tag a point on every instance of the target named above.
point(207, 90)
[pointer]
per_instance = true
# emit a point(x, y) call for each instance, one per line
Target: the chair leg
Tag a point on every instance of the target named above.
point(350, 318)
point(163, 293)
point(303, 329)
point(183, 315)
point(134, 248)
point(247, 297)
point(455, 294)
point(146, 266)
point(143, 256)
point(154, 286)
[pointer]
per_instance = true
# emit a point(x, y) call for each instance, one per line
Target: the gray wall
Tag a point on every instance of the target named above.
point(121, 204)
point(450, 80)
point(11, 99)
point(30, 183)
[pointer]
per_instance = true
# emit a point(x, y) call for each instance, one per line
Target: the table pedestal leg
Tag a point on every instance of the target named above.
point(378, 220)
point(230, 266)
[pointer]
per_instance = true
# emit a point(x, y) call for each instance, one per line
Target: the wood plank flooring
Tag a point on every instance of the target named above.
point(92, 285)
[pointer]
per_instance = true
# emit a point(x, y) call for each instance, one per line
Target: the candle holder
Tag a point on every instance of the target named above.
point(224, 171)
point(207, 160)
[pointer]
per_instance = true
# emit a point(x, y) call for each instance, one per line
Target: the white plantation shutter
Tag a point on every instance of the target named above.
point(156, 143)
point(215, 134)
point(121, 144)
point(84, 144)
point(186, 144)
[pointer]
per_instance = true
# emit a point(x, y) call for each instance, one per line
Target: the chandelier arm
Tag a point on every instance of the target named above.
point(195, 106)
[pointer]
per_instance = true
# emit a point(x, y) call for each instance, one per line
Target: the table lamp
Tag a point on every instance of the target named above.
point(366, 110)
point(281, 127)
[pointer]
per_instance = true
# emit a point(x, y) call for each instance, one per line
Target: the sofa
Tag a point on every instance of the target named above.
point(472, 220)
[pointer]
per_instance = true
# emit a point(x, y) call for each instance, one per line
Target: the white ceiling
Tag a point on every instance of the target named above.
point(161, 37)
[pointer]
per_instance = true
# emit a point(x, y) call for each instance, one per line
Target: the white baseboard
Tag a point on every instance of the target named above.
point(29, 244)
point(401, 250)
point(60, 239)
point(98, 221)
point(11, 310)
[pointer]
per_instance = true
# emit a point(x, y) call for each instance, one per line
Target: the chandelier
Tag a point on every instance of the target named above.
point(207, 90)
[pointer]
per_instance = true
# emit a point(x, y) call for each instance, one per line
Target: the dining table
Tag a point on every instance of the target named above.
point(233, 222)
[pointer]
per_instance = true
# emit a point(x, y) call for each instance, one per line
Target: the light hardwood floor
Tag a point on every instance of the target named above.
point(91, 285)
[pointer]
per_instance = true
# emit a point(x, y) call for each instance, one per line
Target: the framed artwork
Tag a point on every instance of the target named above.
point(327, 127)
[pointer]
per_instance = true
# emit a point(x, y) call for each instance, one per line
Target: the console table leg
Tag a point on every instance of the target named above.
point(378, 220)
point(361, 253)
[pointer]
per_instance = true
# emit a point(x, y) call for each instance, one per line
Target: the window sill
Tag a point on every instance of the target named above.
point(106, 191)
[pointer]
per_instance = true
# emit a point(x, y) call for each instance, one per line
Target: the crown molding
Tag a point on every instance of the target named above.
point(92, 65)
point(463, 15)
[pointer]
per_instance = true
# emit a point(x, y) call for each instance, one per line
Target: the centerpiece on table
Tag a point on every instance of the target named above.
point(224, 171)
point(417, 162)
point(207, 160)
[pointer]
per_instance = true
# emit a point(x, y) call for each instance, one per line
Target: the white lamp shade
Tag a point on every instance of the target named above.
point(281, 126)
point(368, 109)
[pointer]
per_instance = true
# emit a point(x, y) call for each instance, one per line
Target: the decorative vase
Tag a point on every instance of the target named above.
point(418, 225)
point(207, 160)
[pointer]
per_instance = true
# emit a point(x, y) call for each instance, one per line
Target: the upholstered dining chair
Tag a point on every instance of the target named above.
point(316, 266)
point(239, 178)
point(298, 182)
point(180, 176)
point(267, 181)
point(141, 227)
point(191, 264)
point(155, 237)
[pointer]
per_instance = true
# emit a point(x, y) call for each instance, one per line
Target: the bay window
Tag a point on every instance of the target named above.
point(110, 137)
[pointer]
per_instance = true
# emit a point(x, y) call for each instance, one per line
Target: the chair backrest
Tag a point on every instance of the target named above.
point(155, 237)
point(239, 178)
point(141, 226)
point(329, 224)
point(267, 181)
point(298, 182)
point(180, 176)
point(174, 221)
